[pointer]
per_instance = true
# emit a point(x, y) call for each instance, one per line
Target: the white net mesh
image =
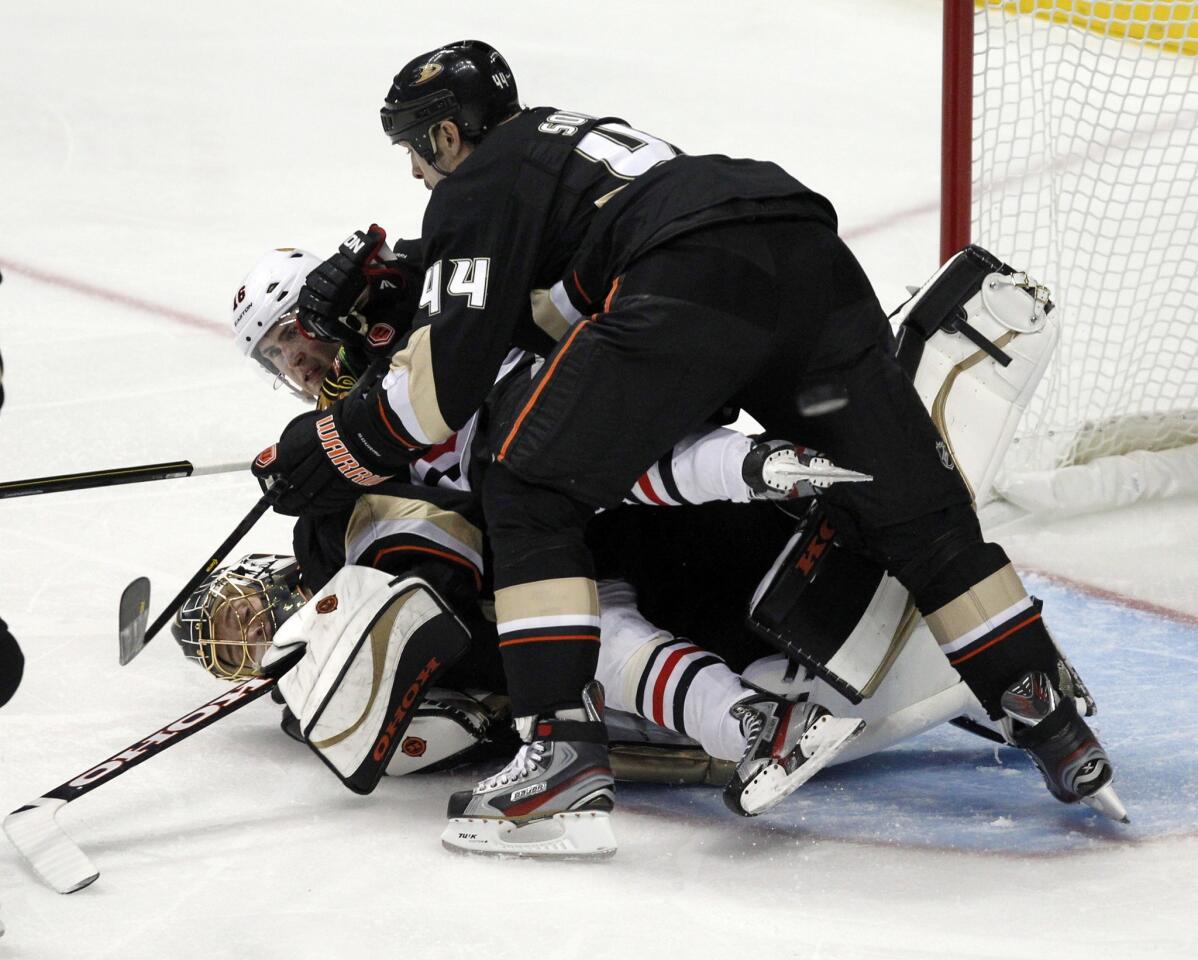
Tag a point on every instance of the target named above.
point(1085, 173)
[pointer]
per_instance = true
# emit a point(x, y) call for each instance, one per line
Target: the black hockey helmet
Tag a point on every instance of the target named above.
point(467, 82)
point(226, 622)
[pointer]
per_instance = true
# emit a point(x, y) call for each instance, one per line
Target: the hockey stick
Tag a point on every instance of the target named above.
point(135, 599)
point(114, 477)
point(55, 857)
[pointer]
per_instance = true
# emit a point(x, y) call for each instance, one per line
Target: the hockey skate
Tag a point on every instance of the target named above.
point(1048, 727)
point(553, 800)
point(779, 470)
point(788, 743)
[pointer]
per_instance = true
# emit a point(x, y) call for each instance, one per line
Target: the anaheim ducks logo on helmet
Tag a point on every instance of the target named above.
point(466, 82)
point(426, 73)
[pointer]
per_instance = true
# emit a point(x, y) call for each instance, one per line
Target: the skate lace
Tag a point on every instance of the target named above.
point(526, 762)
point(751, 722)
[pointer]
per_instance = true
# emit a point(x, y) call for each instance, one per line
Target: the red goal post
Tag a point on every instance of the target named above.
point(1070, 149)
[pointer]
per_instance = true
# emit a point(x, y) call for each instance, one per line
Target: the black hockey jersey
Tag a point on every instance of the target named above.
point(546, 194)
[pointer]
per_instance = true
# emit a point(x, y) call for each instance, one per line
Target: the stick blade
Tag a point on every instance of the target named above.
point(54, 856)
point(134, 612)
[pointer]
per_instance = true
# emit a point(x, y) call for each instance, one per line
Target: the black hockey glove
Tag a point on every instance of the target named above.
point(323, 472)
point(383, 316)
point(335, 293)
point(328, 458)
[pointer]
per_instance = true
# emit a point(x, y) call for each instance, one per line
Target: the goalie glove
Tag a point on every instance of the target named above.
point(363, 285)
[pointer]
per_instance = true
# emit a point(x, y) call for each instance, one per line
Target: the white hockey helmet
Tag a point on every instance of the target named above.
point(265, 301)
point(268, 291)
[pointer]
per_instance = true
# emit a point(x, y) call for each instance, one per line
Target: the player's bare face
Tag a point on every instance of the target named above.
point(303, 361)
point(421, 170)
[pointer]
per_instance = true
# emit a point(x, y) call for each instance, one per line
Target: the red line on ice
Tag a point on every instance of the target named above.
point(910, 213)
point(112, 296)
point(74, 285)
point(1101, 593)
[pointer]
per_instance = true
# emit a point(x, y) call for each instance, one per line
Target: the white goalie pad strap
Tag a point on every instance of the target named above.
point(776, 674)
point(374, 645)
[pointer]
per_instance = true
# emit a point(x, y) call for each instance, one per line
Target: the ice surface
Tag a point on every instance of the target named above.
point(148, 154)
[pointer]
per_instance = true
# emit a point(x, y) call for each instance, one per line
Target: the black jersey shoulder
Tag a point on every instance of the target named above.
point(686, 194)
point(494, 175)
point(526, 177)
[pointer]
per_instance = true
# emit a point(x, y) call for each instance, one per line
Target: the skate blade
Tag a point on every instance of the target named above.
point(819, 475)
point(826, 476)
point(586, 835)
point(1107, 802)
point(773, 784)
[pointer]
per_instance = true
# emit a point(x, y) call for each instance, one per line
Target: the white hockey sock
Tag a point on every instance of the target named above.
point(701, 469)
point(666, 680)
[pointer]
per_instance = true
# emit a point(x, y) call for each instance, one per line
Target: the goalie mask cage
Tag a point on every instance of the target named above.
point(1070, 150)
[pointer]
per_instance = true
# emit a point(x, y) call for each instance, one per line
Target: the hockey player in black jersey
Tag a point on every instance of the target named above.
point(677, 285)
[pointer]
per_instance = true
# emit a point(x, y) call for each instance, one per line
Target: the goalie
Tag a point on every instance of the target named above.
point(393, 680)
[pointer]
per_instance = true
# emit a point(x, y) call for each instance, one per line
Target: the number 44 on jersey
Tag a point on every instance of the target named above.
point(468, 279)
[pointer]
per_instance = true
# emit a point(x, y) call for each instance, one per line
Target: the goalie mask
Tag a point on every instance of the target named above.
point(230, 618)
point(265, 327)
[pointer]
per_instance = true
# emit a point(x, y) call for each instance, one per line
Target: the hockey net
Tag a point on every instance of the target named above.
point(1079, 163)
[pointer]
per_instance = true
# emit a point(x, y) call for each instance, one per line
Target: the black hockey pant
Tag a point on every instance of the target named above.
point(754, 314)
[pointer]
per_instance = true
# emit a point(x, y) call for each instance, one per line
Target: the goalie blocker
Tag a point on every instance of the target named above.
point(375, 645)
point(976, 340)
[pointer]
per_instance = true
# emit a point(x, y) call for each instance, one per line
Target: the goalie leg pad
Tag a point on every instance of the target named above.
point(976, 340)
point(375, 645)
